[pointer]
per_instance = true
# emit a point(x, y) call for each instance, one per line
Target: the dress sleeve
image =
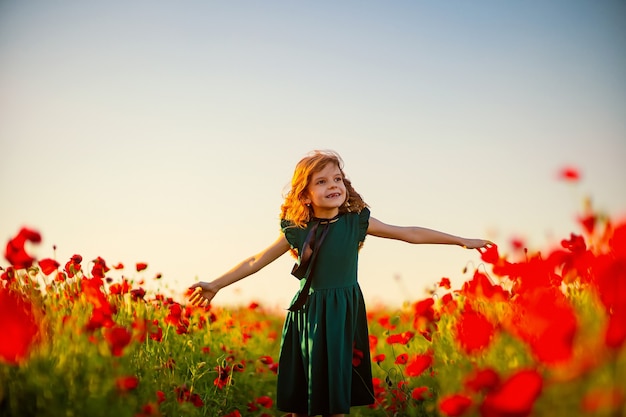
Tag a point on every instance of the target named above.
point(289, 230)
point(364, 221)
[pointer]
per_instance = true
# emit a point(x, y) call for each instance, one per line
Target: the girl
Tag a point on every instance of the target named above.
point(324, 222)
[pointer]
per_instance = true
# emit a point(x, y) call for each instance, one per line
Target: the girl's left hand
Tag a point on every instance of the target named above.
point(477, 243)
point(201, 293)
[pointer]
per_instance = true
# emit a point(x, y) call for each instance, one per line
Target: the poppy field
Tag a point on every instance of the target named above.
point(532, 333)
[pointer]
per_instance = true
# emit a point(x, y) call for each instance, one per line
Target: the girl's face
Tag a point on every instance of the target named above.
point(326, 192)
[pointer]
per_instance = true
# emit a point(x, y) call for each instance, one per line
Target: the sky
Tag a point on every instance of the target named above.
point(167, 132)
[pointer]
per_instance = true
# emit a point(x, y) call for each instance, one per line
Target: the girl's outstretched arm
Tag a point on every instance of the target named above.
point(414, 234)
point(203, 292)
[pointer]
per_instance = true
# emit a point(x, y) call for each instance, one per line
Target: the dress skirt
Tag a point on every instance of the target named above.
point(324, 366)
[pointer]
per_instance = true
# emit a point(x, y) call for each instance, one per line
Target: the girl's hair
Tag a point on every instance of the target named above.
point(294, 209)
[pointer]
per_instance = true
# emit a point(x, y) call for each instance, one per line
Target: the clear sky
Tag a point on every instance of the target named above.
point(166, 132)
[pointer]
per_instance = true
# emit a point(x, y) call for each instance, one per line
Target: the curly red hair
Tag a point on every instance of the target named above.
point(294, 209)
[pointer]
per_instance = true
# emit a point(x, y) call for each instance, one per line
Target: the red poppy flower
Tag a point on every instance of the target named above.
point(177, 319)
point(473, 331)
point(273, 367)
point(448, 304)
point(48, 266)
point(120, 289)
point(418, 393)
point(610, 274)
point(424, 308)
point(252, 406)
point(138, 293)
point(611, 269)
point(490, 254)
point(570, 174)
point(99, 268)
point(196, 400)
point(515, 397)
point(455, 405)
point(547, 322)
point(72, 267)
point(60, 276)
point(480, 286)
point(419, 364)
point(155, 331)
point(264, 401)
point(615, 334)
point(402, 359)
point(517, 243)
point(118, 338)
point(602, 400)
point(141, 266)
point(588, 223)
point(184, 394)
point(175, 314)
point(18, 327)
point(103, 310)
point(385, 322)
point(401, 338)
point(425, 317)
point(484, 379)
point(373, 339)
point(126, 383)
point(379, 358)
point(149, 410)
point(267, 360)
point(160, 397)
point(576, 244)
point(445, 283)
point(8, 275)
point(182, 328)
point(235, 413)
point(15, 252)
point(223, 376)
point(100, 317)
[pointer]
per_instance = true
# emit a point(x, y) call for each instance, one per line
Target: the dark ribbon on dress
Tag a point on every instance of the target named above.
point(304, 267)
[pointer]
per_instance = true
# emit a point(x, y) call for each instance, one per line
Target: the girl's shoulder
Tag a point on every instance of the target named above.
point(363, 214)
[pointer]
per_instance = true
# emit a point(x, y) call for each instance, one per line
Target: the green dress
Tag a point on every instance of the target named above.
point(324, 365)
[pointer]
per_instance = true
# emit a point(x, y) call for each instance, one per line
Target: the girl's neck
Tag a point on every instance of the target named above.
point(325, 213)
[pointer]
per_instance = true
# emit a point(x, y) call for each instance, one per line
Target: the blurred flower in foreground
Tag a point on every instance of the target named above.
point(15, 252)
point(515, 397)
point(126, 383)
point(18, 327)
point(569, 173)
point(454, 405)
point(118, 338)
point(473, 331)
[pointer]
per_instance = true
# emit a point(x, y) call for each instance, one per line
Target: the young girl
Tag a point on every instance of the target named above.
point(324, 222)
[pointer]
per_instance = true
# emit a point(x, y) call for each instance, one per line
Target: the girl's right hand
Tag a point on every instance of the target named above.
point(202, 293)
